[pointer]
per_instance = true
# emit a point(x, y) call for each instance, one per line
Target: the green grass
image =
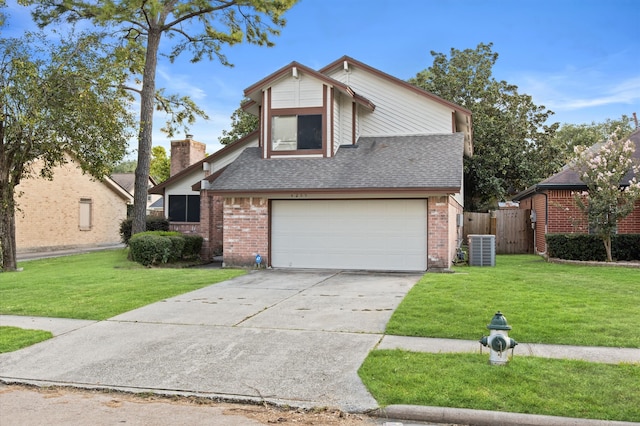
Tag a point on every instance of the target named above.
point(525, 385)
point(14, 338)
point(543, 302)
point(96, 286)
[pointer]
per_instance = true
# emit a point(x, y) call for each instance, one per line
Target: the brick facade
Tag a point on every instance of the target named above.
point(246, 230)
point(49, 212)
point(438, 245)
point(185, 153)
point(211, 224)
point(558, 213)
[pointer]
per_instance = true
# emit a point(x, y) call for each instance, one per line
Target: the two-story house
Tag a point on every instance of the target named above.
point(351, 168)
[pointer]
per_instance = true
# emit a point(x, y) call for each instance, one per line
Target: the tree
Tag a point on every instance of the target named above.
point(54, 100)
point(511, 141)
point(202, 27)
point(570, 135)
point(242, 124)
point(608, 200)
point(160, 167)
point(127, 166)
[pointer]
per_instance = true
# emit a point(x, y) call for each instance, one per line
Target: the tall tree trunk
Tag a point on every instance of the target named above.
point(7, 211)
point(145, 141)
point(607, 247)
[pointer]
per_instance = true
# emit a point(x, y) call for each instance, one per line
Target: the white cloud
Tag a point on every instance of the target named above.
point(576, 90)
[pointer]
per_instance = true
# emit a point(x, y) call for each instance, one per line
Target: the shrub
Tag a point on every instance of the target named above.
point(585, 247)
point(177, 247)
point(147, 249)
point(150, 249)
point(192, 246)
point(153, 223)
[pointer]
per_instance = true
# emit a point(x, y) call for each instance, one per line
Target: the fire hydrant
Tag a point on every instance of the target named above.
point(498, 340)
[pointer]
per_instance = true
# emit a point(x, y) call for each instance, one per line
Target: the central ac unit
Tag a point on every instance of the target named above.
point(482, 250)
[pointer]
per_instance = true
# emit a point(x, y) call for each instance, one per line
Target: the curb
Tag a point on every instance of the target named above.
point(484, 418)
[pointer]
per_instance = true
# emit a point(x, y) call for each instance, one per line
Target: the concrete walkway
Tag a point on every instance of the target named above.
point(605, 355)
point(288, 337)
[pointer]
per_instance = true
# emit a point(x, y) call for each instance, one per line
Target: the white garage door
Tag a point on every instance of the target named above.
point(349, 234)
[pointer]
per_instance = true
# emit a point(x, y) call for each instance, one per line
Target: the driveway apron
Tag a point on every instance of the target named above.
point(281, 336)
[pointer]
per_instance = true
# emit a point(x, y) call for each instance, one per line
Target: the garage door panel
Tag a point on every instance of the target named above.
point(349, 234)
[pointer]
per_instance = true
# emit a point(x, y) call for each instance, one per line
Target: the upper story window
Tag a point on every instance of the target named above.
point(296, 132)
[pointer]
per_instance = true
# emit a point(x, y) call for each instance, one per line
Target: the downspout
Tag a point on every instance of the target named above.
point(546, 220)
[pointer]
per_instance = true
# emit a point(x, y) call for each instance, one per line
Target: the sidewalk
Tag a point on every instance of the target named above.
point(605, 355)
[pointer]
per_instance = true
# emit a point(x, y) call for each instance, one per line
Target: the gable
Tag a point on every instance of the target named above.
point(407, 109)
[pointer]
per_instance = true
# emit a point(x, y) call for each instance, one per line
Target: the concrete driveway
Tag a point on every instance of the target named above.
point(288, 337)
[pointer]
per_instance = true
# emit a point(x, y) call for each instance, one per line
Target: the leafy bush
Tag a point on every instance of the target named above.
point(150, 249)
point(585, 247)
point(192, 246)
point(177, 246)
point(153, 223)
point(147, 249)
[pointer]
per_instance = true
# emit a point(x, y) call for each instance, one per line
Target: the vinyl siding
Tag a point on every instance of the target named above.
point(301, 92)
point(399, 111)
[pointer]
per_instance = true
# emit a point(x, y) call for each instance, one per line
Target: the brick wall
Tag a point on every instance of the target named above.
point(565, 217)
point(631, 223)
point(246, 230)
point(211, 224)
point(185, 153)
point(438, 233)
point(455, 232)
point(49, 211)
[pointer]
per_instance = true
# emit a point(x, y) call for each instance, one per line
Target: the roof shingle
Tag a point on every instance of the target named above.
point(420, 162)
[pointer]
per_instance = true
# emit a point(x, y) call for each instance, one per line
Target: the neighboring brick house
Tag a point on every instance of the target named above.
point(556, 211)
point(351, 168)
point(71, 211)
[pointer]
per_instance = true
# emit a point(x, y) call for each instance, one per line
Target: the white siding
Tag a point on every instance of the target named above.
point(343, 121)
point(223, 161)
point(399, 110)
point(301, 92)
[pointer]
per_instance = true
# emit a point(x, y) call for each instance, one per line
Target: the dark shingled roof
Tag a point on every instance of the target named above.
point(420, 162)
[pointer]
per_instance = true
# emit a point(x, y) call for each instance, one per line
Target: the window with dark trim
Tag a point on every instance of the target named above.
point(184, 208)
point(296, 132)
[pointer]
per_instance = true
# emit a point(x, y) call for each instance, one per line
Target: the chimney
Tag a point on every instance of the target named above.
point(185, 153)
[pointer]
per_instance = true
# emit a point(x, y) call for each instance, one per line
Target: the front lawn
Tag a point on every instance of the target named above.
point(543, 302)
point(526, 385)
point(96, 286)
point(14, 338)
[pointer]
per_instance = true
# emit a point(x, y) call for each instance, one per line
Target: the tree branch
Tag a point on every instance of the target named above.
point(198, 12)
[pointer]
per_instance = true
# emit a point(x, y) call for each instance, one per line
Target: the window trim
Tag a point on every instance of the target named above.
point(85, 214)
point(185, 197)
point(274, 112)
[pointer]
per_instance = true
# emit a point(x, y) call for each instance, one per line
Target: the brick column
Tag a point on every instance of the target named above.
point(437, 233)
point(245, 231)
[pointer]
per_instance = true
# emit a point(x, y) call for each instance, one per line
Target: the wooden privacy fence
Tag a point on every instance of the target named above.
point(512, 229)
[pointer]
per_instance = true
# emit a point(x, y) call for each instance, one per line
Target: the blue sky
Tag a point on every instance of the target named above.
point(579, 58)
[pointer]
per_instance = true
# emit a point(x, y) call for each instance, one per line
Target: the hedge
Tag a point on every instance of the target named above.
point(158, 247)
point(153, 223)
point(586, 247)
